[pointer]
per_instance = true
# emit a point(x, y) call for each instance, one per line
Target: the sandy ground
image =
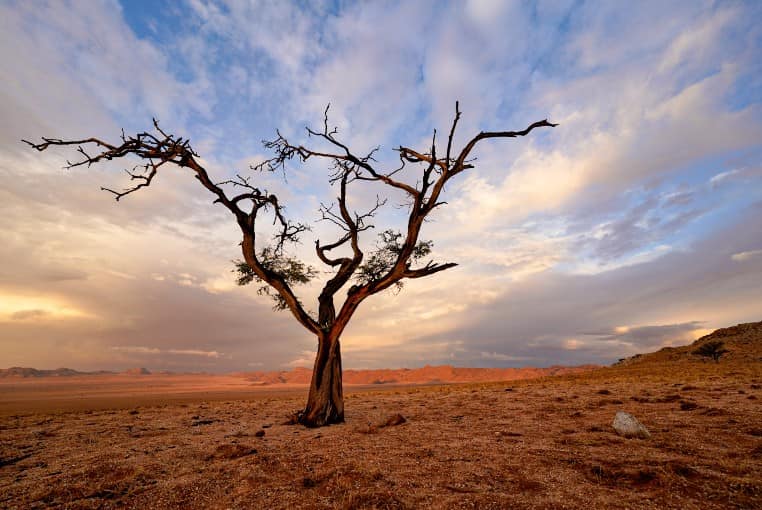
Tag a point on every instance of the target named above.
point(545, 443)
point(126, 391)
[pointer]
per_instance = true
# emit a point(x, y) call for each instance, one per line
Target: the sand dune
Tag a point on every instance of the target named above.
point(27, 389)
point(426, 374)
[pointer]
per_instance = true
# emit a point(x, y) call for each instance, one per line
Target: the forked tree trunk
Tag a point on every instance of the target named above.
point(325, 404)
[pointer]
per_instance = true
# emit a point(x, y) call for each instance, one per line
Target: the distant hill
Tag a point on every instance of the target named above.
point(426, 374)
point(137, 371)
point(25, 372)
point(742, 341)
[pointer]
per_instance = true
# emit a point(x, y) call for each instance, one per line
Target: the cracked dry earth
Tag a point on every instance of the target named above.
point(544, 443)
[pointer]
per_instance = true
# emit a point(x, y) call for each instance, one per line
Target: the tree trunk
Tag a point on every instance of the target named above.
point(325, 404)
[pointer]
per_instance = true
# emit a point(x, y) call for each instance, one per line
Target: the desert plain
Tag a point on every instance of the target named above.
point(201, 441)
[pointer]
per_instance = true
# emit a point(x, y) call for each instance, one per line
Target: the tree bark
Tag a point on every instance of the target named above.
point(325, 404)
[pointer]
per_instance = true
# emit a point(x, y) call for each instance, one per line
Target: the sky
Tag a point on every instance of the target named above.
point(635, 224)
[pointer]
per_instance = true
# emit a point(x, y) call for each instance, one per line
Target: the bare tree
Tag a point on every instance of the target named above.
point(396, 258)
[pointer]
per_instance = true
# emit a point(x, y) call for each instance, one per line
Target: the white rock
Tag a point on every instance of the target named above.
point(627, 425)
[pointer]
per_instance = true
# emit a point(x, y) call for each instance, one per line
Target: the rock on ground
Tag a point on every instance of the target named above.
point(627, 425)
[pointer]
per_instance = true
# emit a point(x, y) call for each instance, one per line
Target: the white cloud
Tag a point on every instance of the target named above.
point(746, 255)
point(136, 349)
point(222, 283)
point(139, 349)
point(697, 43)
point(306, 359)
point(501, 357)
point(194, 352)
point(718, 178)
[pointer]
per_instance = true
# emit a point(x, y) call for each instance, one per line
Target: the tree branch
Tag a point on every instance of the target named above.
point(322, 249)
point(167, 148)
point(428, 269)
point(388, 266)
point(422, 206)
point(458, 165)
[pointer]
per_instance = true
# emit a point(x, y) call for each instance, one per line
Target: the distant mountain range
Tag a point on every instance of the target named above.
point(427, 374)
point(25, 372)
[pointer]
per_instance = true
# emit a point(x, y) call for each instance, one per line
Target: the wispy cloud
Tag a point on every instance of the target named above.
point(29, 314)
point(136, 349)
point(746, 255)
point(717, 179)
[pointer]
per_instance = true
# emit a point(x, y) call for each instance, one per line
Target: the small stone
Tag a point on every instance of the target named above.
point(259, 433)
point(627, 425)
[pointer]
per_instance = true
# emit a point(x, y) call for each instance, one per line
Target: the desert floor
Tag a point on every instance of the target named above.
point(545, 443)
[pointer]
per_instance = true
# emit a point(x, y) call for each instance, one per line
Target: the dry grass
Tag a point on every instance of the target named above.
point(546, 443)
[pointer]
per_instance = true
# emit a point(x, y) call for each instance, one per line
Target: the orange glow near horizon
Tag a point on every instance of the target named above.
point(18, 308)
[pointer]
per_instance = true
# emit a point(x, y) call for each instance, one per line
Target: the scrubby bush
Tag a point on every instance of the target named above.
point(714, 349)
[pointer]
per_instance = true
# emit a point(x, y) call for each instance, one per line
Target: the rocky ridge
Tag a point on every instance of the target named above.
point(742, 341)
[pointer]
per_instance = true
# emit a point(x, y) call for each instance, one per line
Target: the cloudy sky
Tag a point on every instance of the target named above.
point(635, 224)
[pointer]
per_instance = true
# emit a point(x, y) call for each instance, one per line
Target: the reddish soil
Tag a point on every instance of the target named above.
point(28, 389)
point(542, 443)
point(94, 392)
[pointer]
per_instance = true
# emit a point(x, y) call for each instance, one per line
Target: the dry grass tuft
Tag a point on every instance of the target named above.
point(231, 451)
point(394, 420)
point(374, 500)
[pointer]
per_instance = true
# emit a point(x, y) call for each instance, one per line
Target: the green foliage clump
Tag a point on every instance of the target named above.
point(293, 271)
point(388, 251)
